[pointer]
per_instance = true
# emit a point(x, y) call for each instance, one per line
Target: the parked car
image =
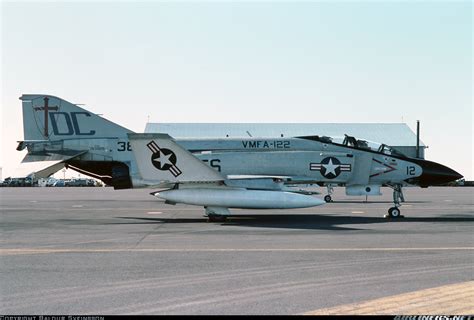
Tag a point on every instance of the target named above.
point(19, 182)
point(51, 181)
point(59, 183)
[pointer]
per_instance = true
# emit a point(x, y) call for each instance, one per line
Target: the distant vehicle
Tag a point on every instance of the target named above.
point(51, 181)
point(20, 182)
point(6, 182)
point(218, 173)
point(58, 183)
point(78, 182)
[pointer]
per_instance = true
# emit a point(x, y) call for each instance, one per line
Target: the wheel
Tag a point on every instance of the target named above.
point(394, 212)
point(327, 198)
point(216, 218)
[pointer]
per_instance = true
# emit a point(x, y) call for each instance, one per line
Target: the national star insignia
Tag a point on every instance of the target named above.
point(164, 159)
point(330, 167)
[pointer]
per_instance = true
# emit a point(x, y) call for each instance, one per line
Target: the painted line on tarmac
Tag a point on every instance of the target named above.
point(26, 251)
point(450, 299)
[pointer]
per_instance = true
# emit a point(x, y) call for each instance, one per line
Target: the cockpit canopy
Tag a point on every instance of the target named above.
point(352, 142)
point(370, 145)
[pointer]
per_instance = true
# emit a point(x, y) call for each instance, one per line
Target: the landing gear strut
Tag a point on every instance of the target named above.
point(328, 197)
point(394, 212)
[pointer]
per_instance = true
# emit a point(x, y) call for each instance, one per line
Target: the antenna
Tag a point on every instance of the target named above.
point(249, 134)
point(417, 138)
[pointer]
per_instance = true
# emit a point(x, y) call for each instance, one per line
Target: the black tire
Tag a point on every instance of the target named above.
point(216, 218)
point(394, 212)
point(327, 198)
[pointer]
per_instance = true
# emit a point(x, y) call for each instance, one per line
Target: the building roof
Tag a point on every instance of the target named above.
point(393, 134)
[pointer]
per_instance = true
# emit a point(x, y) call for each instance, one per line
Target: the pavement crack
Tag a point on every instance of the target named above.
point(160, 225)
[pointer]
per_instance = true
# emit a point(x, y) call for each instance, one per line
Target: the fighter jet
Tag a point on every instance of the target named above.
point(217, 174)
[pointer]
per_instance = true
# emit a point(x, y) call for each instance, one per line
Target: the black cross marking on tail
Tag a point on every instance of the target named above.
point(163, 159)
point(46, 109)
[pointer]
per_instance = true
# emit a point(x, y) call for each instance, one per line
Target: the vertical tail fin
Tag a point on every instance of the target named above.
point(161, 159)
point(47, 117)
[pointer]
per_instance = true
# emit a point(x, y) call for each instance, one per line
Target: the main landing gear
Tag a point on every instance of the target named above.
point(217, 214)
point(394, 212)
point(216, 218)
point(328, 197)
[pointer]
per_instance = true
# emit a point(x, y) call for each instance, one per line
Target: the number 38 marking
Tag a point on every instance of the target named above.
point(124, 146)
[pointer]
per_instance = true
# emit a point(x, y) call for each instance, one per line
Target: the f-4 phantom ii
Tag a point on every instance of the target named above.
point(217, 174)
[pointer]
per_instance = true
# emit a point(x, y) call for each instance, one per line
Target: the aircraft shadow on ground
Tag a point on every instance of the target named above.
point(295, 221)
point(371, 201)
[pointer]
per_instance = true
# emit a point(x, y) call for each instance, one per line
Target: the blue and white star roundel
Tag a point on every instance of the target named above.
point(330, 167)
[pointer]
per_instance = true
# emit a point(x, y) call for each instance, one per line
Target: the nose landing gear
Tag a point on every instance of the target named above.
point(394, 212)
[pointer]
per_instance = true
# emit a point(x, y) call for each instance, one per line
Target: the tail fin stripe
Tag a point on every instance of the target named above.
point(175, 171)
point(153, 147)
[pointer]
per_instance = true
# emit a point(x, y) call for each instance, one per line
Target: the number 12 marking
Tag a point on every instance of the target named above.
point(410, 170)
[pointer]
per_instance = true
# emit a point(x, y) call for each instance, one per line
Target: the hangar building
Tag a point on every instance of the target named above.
point(397, 135)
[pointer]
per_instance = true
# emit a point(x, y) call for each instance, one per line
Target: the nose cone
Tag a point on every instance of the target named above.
point(436, 174)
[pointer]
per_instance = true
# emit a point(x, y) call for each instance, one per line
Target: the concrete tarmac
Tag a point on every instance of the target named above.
point(101, 251)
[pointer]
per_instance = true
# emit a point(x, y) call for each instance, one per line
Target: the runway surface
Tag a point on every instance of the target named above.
point(100, 251)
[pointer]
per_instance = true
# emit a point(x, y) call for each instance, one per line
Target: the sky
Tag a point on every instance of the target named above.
point(270, 61)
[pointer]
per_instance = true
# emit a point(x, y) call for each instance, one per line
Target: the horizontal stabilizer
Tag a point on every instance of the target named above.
point(61, 155)
point(42, 169)
point(43, 165)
